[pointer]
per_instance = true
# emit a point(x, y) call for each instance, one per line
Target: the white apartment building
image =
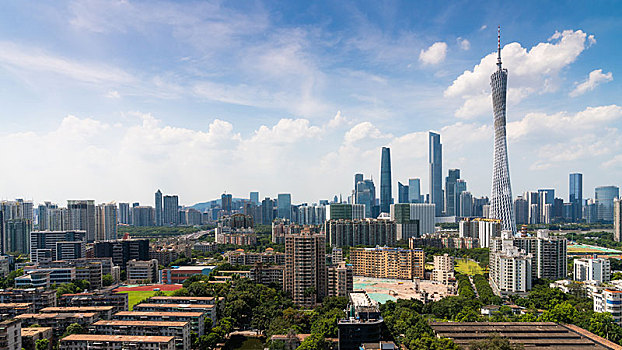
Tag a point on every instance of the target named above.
point(595, 269)
point(443, 268)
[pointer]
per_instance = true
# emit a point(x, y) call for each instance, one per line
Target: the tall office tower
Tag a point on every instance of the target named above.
point(158, 209)
point(82, 217)
point(16, 237)
point(143, 216)
point(385, 180)
point(284, 204)
point(575, 195)
point(617, 219)
point(366, 194)
point(466, 204)
point(604, 196)
point(436, 172)
point(414, 190)
point(124, 213)
point(226, 203)
point(254, 197)
point(106, 222)
point(42, 219)
point(478, 206)
point(402, 193)
point(25, 209)
point(546, 197)
point(501, 203)
point(357, 178)
point(451, 191)
point(521, 211)
point(171, 211)
point(305, 267)
point(267, 211)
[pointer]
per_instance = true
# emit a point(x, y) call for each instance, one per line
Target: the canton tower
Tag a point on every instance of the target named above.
point(501, 205)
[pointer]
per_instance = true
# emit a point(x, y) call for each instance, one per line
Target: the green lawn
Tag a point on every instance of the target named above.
point(468, 267)
point(135, 297)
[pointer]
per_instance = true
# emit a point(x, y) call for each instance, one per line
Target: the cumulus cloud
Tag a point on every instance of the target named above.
point(434, 54)
point(595, 78)
point(530, 71)
point(464, 44)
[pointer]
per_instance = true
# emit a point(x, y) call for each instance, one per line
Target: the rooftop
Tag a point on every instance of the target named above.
point(139, 323)
point(118, 338)
point(30, 331)
point(57, 315)
point(158, 313)
point(14, 305)
point(183, 298)
point(76, 308)
point(180, 306)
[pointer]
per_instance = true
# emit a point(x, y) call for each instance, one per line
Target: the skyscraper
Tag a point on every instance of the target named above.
point(284, 205)
point(436, 172)
point(575, 195)
point(106, 222)
point(501, 203)
point(366, 194)
point(124, 213)
point(82, 217)
point(170, 216)
point(304, 278)
point(414, 190)
point(604, 202)
point(225, 203)
point(357, 178)
point(254, 197)
point(402, 193)
point(451, 192)
point(385, 180)
point(158, 208)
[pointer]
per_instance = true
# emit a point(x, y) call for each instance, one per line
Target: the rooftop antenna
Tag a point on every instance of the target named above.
point(499, 47)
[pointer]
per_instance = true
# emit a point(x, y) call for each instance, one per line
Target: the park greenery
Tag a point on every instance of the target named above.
point(603, 239)
point(9, 280)
point(158, 231)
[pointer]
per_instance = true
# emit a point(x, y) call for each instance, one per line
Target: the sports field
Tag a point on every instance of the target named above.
point(136, 294)
point(468, 267)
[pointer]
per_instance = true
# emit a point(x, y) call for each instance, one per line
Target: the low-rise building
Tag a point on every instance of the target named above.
point(142, 271)
point(34, 279)
point(592, 269)
point(96, 298)
point(116, 342)
point(39, 297)
point(179, 330)
point(207, 310)
point(178, 274)
point(58, 275)
point(205, 247)
point(30, 335)
point(103, 312)
point(57, 321)
point(13, 309)
point(240, 257)
point(363, 323)
point(384, 262)
point(196, 319)
point(185, 300)
point(11, 334)
point(609, 300)
point(263, 274)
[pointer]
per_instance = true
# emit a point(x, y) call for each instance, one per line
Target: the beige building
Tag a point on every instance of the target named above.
point(11, 335)
point(305, 267)
point(116, 342)
point(139, 271)
point(617, 219)
point(207, 310)
point(30, 335)
point(384, 262)
point(196, 319)
point(443, 268)
point(179, 330)
point(340, 280)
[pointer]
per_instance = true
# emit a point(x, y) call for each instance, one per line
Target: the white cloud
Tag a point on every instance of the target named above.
point(483, 27)
point(530, 71)
point(362, 131)
point(31, 60)
point(113, 94)
point(464, 44)
point(595, 78)
point(434, 54)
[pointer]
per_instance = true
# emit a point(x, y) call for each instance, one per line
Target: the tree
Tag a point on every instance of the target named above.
point(75, 328)
point(603, 324)
point(561, 313)
point(313, 342)
point(107, 280)
point(42, 344)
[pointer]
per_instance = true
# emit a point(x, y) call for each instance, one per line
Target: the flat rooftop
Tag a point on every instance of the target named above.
point(183, 298)
point(533, 335)
point(52, 315)
point(139, 323)
point(361, 299)
point(158, 314)
point(118, 338)
point(76, 308)
point(178, 306)
point(14, 305)
point(30, 331)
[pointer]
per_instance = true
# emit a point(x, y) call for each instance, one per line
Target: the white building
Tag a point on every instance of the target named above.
point(443, 268)
point(482, 228)
point(139, 271)
point(597, 269)
point(609, 300)
point(510, 267)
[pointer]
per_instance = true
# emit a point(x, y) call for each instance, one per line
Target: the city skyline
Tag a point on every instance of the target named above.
point(96, 117)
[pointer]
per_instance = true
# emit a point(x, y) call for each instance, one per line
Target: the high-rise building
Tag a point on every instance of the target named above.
point(124, 213)
point(158, 208)
point(510, 267)
point(369, 232)
point(402, 193)
point(549, 254)
point(592, 269)
point(122, 251)
point(365, 193)
point(617, 219)
point(575, 195)
point(171, 211)
point(345, 211)
point(521, 211)
point(254, 198)
point(501, 202)
point(44, 244)
point(414, 190)
point(284, 205)
point(82, 217)
point(385, 180)
point(106, 222)
point(466, 204)
point(340, 280)
point(267, 211)
point(451, 192)
point(16, 237)
point(483, 229)
point(357, 178)
point(436, 172)
point(604, 196)
point(142, 215)
point(443, 268)
point(226, 203)
point(305, 267)
point(384, 262)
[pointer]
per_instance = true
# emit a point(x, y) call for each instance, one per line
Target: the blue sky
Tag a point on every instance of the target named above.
point(113, 99)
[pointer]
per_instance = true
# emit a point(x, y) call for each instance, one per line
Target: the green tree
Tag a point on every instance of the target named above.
point(561, 313)
point(603, 324)
point(313, 342)
point(75, 328)
point(42, 344)
point(107, 280)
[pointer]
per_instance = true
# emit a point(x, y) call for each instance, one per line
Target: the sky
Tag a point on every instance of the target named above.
point(112, 100)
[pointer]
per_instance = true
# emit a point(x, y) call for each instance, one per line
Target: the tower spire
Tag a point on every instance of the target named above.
point(499, 47)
